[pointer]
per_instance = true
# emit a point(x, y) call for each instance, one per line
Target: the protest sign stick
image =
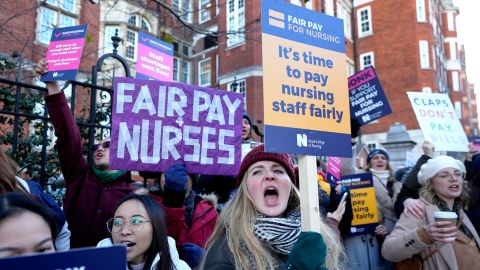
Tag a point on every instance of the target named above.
point(309, 193)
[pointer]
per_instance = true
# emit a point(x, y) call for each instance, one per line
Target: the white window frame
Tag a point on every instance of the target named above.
point(453, 50)
point(182, 70)
point(44, 29)
point(455, 81)
point(309, 5)
point(368, 21)
point(344, 14)
point(365, 55)
point(204, 9)
point(235, 22)
point(184, 9)
point(450, 22)
point(421, 11)
point(350, 68)
point(131, 44)
point(202, 73)
point(177, 66)
point(329, 7)
point(242, 89)
point(424, 54)
point(458, 109)
point(296, 2)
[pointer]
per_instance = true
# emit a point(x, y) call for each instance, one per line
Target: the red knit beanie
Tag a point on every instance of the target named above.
point(258, 154)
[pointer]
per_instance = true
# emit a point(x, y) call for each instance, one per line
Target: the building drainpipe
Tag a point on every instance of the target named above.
point(355, 60)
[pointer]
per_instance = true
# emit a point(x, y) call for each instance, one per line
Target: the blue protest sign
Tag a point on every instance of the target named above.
point(367, 98)
point(78, 259)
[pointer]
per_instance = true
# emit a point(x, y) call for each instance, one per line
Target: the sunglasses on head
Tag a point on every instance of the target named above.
point(105, 145)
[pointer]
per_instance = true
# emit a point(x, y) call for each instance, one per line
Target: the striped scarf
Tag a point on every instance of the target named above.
point(279, 233)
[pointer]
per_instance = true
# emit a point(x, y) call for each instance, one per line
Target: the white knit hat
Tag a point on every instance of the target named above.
point(434, 165)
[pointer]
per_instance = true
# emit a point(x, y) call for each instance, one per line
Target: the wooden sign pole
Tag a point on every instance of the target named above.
point(310, 212)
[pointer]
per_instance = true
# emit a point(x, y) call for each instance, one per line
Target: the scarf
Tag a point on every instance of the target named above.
point(106, 176)
point(383, 177)
point(280, 234)
point(457, 206)
point(189, 204)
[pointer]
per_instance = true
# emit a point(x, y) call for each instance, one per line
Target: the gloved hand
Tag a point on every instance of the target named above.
point(176, 177)
point(308, 253)
point(192, 254)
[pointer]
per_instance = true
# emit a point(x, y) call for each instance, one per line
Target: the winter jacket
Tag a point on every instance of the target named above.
point(410, 185)
point(179, 264)
point(203, 221)
point(219, 257)
point(404, 241)
point(88, 204)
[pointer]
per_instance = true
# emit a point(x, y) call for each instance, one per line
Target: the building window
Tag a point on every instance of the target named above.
point(364, 18)
point(204, 72)
point(453, 50)
point(53, 14)
point(240, 88)
point(329, 7)
point(450, 22)
point(309, 5)
point(421, 13)
point(131, 45)
point(455, 81)
point(343, 14)
point(203, 11)
point(235, 22)
point(133, 20)
point(296, 2)
point(366, 59)
point(181, 72)
point(424, 55)
point(350, 68)
point(146, 26)
point(183, 8)
point(458, 109)
point(371, 146)
point(107, 37)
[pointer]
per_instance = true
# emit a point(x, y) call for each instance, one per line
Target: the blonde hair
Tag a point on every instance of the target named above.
point(236, 223)
point(428, 193)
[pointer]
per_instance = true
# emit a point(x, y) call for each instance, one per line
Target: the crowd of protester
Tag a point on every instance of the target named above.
point(251, 221)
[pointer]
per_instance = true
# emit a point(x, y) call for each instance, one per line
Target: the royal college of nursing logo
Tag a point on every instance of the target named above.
point(302, 140)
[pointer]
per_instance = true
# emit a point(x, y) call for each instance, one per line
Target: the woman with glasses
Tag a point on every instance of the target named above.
point(439, 244)
point(138, 223)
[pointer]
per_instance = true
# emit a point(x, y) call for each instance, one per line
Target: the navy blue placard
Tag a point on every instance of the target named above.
point(317, 30)
point(307, 142)
point(85, 259)
point(367, 98)
point(365, 214)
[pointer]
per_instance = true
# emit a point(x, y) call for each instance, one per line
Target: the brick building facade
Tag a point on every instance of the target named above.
point(412, 44)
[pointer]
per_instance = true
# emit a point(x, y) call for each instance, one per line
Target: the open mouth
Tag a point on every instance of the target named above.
point(271, 196)
point(128, 244)
point(454, 187)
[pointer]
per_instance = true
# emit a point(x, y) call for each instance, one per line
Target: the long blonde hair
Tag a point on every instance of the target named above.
point(236, 223)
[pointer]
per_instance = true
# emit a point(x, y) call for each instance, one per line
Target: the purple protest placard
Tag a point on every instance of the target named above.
point(64, 53)
point(157, 124)
point(154, 59)
point(367, 98)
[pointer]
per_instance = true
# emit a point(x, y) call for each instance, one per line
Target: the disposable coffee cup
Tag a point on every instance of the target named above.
point(446, 216)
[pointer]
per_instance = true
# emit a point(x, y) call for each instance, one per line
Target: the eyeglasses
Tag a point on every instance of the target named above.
point(105, 145)
point(447, 175)
point(115, 225)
